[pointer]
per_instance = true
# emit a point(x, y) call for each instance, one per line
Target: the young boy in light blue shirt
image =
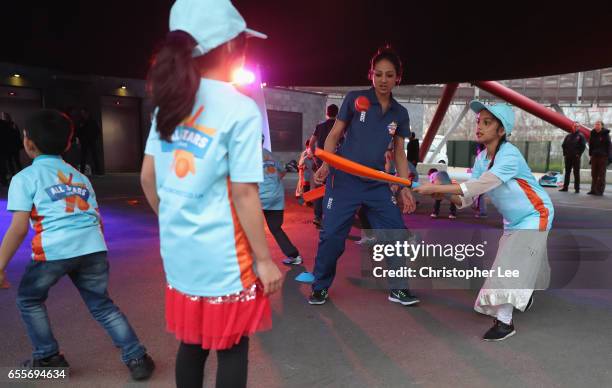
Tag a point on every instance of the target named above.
point(61, 206)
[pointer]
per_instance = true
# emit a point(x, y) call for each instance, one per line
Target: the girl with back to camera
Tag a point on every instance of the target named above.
point(200, 172)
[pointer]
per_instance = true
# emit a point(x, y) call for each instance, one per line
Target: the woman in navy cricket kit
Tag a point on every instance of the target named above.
point(371, 119)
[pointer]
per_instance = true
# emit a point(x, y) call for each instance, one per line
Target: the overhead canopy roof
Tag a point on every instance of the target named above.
point(316, 43)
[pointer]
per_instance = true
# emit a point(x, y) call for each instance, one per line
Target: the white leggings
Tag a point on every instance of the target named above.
point(504, 313)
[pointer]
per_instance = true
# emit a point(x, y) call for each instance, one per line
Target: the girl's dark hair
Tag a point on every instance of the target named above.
point(173, 81)
point(174, 78)
point(390, 55)
point(502, 140)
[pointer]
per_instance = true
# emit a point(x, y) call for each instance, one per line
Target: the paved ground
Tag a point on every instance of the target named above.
point(358, 339)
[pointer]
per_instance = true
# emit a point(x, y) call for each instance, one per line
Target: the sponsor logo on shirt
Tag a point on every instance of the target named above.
point(189, 141)
point(269, 165)
point(75, 194)
point(392, 127)
point(59, 192)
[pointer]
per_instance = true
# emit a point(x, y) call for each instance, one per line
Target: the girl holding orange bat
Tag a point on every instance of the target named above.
point(501, 171)
point(370, 120)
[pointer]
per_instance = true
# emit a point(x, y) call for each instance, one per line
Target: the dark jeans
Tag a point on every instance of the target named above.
point(598, 173)
point(453, 208)
point(572, 162)
point(274, 219)
point(89, 274)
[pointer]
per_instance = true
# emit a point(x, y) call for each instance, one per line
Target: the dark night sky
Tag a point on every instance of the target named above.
point(325, 42)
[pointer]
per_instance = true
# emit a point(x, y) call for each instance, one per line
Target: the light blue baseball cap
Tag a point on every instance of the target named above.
point(503, 112)
point(210, 22)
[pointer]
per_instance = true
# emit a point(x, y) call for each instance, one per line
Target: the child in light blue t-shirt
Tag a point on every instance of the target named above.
point(61, 206)
point(502, 172)
point(272, 195)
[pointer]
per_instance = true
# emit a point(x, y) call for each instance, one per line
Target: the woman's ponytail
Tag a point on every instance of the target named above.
point(173, 81)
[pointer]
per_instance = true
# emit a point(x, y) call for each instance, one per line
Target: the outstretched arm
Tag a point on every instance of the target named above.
point(463, 194)
point(401, 164)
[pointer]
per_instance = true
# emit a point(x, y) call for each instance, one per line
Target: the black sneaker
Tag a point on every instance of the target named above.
point(141, 368)
point(55, 361)
point(563, 189)
point(529, 304)
point(499, 332)
point(318, 297)
point(403, 297)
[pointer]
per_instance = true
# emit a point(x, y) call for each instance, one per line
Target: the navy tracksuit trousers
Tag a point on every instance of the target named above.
point(344, 194)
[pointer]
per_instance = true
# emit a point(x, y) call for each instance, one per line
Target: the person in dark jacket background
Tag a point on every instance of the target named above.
point(573, 146)
point(412, 151)
point(599, 150)
point(11, 146)
point(317, 140)
point(89, 134)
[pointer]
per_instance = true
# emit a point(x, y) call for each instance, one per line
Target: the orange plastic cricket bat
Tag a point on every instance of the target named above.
point(359, 169)
point(353, 168)
point(314, 194)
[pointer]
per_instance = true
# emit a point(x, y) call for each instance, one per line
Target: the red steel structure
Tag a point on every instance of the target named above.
point(447, 97)
point(506, 94)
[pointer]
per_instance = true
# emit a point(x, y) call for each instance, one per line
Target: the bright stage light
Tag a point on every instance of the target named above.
point(243, 76)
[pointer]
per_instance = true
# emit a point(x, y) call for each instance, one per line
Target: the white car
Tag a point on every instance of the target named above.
point(440, 157)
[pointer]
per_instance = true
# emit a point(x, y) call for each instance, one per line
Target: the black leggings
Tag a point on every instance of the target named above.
point(274, 219)
point(231, 369)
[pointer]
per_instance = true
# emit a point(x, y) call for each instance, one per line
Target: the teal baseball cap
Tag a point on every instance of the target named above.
point(210, 22)
point(503, 112)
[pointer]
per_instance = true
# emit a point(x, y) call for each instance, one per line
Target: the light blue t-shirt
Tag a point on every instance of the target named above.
point(203, 246)
point(63, 209)
point(271, 191)
point(520, 199)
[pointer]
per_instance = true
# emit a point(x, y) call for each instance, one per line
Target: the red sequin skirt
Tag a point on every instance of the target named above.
point(217, 322)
